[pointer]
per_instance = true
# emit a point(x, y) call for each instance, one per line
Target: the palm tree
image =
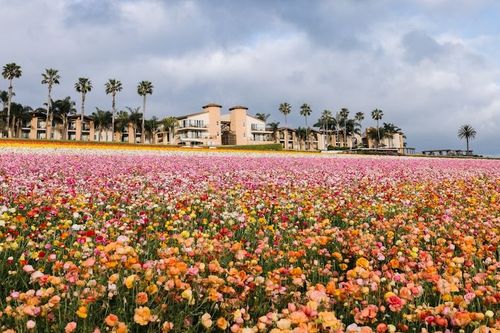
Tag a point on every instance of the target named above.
point(169, 124)
point(324, 122)
point(50, 77)
point(121, 122)
point(358, 118)
point(305, 111)
point(19, 115)
point(83, 86)
point(144, 88)
point(262, 116)
point(112, 87)
point(344, 114)
point(64, 108)
point(102, 120)
point(135, 117)
point(377, 115)
point(273, 126)
point(151, 126)
point(10, 72)
point(301, 134)
point(285, 109)
point(467, 132)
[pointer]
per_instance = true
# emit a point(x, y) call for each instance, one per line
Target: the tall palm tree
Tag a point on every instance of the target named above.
point(169, 124)
point(112, 87)
point(50, 78)
point(144, 88)
point(358, 118)
point(285, 109)
point(262, 116)
point(83, 86)
point(305, 111)
point(63, 108)
point(10, 72)
point(466, 132)
point(377, 115)
point(344, 115)
point(324, 122)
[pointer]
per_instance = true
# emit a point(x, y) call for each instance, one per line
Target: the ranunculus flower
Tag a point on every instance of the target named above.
point(142, 315)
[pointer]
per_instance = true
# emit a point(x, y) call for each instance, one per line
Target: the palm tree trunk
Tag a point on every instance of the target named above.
point(307, 132)
point(65, 128)
point(113, 119)
point(467, 142)
point(378, 135)
point(82, 108)
point(47, 118)
point(8, 109)
point(143, 136)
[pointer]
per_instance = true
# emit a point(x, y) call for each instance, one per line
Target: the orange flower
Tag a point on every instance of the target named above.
point(142, 315)
point(141, 298)
point(461, 319)
point(122, 328)
point(111, 320)
point(222, 323)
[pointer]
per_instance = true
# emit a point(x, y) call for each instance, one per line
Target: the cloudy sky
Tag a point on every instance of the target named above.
point(430, 65)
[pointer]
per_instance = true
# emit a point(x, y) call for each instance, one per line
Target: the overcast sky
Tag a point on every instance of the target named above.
point(430, 65)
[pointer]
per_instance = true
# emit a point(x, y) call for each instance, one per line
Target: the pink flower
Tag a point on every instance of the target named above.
point(395, 303)
point(70, 327)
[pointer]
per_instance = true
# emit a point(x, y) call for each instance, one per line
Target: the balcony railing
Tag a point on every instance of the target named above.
point(192, 123)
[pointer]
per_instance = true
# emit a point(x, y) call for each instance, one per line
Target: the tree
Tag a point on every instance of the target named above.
point(151, 127)
point(144, 88)
point(135, 117)
point(112, 87)
point(467, 132)
point(344, 116)
point(324, 122)
point(102, 120)
point(285, 109)
point(83, 86)
point(305, 111)
point(377, 115)
point(262, 116)
point(10, 72)
point(19, 114)
point(169, 124)
point(358, 118)
point(301, 134)
point(63, 108)
point(50, 78)
point(273, 126)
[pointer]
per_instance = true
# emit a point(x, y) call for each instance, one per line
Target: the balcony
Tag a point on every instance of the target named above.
point(190, 124)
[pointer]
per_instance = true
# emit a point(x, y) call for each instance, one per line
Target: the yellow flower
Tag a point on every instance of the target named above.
point(187, 294)
point(129, 281)
point(142, 315)
point(206, 320)
point(362, 262)
point(82, 312)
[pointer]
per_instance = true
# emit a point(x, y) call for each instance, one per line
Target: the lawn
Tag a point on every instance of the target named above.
point(105, 240)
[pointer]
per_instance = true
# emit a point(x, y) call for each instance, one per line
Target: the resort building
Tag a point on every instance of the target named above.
point(212, 128)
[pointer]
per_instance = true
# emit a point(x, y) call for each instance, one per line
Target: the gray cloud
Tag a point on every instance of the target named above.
point(412, 59)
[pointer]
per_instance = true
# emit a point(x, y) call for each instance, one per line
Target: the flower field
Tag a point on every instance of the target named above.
point(175, 241)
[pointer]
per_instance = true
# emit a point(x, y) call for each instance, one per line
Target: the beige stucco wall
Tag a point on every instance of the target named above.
point(238, 119)
point(214, 126)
